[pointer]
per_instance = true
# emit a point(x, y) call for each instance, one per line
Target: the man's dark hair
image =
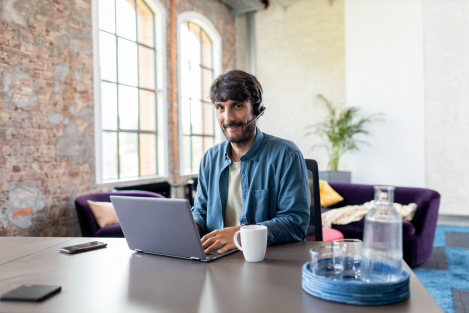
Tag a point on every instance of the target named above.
point(236, 85)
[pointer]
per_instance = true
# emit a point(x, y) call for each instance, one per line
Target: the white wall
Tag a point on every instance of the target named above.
point(384, 73)
point(300, 53)
point(447, 102)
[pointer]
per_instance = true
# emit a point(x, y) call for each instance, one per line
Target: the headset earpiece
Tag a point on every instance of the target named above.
point(259, 109)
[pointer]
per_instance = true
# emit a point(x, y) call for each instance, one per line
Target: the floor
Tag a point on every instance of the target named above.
point(453, 220)
point(445, 274)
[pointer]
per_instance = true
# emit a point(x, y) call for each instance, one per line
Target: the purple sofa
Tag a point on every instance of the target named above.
point(88, 225)
point(417, 235)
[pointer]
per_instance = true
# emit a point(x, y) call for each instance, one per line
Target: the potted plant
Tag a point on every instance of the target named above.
point(341, 129)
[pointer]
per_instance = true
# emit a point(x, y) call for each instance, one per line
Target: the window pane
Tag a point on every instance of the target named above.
point(207, 82)
point(196, 51)
point(206, 51)
point(197, 152)
point(185, 79)
point(107, 56)
point(208, 143)
point(109, 106)
point(127, 62)
point(145, 24)
point(194, 40)
point(128, 107)
point(147, 154)
point(146, 69)
point(106, 16)
point(208, 118)
point(196, 82)
point(190, 44)
point(185, 50)
point(147, 110)
point(187, 155)
point(196, 116)
point(186, 116)
point(125, 12)
point(109, 155)
point(128, 154)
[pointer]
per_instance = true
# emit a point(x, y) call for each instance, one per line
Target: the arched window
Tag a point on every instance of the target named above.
point(130, 93)
point(197, 70)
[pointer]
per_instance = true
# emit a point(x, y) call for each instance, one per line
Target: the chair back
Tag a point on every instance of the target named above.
point(315, 222)
point(163, 188)
point(88, 224)
point(191, 189)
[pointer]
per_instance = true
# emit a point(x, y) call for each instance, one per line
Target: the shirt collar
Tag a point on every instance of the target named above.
point(254, 150)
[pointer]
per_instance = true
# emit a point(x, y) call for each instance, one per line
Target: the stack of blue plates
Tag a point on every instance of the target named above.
point(354, 291)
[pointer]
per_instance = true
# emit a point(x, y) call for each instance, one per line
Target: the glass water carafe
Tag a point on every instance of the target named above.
point(382, 240)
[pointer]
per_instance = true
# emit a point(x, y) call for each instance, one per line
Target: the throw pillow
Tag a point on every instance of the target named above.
point(328, 195)
point(104, 213)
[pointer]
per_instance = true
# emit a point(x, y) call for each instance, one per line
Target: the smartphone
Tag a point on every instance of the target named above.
point(83, 247)
point(30, 293)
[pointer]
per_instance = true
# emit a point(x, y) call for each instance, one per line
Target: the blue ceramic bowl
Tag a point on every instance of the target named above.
point(354, 291)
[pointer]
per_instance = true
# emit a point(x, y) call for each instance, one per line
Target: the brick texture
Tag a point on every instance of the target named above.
point(47, 109)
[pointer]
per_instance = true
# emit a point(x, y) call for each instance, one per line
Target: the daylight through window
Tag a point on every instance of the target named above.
point(128, 89)
point(198, 113)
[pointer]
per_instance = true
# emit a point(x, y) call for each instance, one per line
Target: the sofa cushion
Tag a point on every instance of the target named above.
point(111, 231)
point(327, 194)
point(103, 212)
point(407, 228)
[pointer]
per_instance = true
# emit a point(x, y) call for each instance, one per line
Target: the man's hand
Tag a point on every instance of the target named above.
point(220, 237)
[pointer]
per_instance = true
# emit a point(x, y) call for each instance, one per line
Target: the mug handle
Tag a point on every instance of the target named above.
point(235, 239)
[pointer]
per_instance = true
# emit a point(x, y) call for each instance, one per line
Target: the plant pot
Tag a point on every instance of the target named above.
point(336, 176)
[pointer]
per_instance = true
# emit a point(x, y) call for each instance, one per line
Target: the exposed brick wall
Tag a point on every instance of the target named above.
point(46, 115)
point(47, 155)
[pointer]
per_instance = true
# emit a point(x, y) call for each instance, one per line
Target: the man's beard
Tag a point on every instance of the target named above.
point(246, 133)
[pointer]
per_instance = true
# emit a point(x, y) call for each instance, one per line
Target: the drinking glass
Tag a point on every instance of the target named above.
point(352, 255)
point(327, 261)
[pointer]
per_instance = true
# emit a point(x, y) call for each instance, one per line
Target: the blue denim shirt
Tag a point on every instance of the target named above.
point(274, 185)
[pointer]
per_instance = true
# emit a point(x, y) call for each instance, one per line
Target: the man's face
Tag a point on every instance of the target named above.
point(232, 115)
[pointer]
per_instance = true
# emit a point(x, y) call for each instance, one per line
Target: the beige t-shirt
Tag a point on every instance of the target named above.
point(235, 196)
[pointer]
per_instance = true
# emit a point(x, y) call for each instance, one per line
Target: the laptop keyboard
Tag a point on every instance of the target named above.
point(215, 251)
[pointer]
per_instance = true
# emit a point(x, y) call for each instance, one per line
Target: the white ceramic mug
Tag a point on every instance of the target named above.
point(253, 242)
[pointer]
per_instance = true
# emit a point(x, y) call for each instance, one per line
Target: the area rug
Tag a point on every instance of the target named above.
point(446, 273)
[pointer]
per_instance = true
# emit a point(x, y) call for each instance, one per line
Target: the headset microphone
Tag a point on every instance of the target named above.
point(261, 109)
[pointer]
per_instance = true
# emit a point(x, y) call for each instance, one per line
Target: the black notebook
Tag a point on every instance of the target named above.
point(31, 293)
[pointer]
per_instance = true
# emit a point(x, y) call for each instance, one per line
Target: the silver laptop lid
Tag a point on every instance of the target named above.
point(161, 226)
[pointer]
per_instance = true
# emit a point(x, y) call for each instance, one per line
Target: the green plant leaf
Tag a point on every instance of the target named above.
point(340, 129)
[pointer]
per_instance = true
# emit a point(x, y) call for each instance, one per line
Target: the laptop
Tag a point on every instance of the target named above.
point(161, 226)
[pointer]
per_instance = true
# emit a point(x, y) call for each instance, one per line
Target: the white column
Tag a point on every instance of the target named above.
point(384, 73)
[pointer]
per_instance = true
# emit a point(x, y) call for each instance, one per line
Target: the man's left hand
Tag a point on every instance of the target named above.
point(220, 237)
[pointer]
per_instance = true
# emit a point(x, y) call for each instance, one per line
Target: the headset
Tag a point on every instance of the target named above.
point(260, 109)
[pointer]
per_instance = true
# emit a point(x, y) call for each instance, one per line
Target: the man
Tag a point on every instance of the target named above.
point(252, 177)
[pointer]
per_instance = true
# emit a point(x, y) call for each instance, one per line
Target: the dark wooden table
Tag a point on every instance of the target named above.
point(116, 279)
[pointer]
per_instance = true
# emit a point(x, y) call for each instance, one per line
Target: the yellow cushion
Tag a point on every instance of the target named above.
point(103, 212)
point(328, 195)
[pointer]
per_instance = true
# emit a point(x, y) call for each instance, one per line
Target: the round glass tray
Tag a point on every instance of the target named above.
point(355, 291)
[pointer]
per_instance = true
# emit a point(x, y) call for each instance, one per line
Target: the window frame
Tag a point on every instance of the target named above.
point(207, 26)
point(160, 90)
